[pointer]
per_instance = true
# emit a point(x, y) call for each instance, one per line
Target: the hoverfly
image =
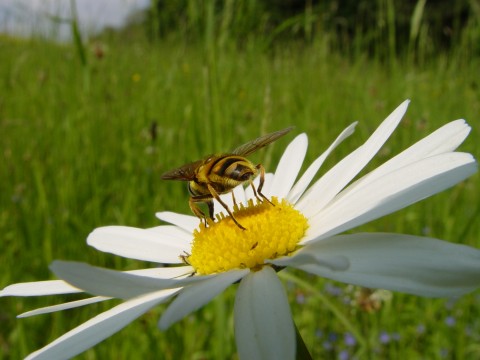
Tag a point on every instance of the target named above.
point(220, 174)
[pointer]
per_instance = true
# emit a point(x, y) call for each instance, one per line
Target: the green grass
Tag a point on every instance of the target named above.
point(77, 152)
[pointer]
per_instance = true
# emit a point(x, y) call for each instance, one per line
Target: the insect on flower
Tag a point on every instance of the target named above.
point(221, 173)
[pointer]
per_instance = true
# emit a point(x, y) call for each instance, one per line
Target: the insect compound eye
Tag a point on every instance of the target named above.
point(240, 173)
point(246, 176)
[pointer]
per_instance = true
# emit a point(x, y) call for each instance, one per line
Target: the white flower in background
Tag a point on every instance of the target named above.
point(300, 231)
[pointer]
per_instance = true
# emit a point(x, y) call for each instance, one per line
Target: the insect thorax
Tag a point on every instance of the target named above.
point(223, 173)
point(232, 170)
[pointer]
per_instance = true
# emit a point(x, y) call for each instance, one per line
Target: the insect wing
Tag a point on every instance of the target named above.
point(254, 145)
point(185, 172)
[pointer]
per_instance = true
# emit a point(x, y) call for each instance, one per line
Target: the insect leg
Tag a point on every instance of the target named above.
point(184, 257)
point(217, 197)
point(210, 209)
point(207, 199)
point(262, 181)
point(196, 210)
point(255, 191)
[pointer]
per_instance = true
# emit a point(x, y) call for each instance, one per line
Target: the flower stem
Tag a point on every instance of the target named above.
point(338, 314)
point(302, 350)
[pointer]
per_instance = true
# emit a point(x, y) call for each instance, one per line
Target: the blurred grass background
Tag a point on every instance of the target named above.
point(88, 126)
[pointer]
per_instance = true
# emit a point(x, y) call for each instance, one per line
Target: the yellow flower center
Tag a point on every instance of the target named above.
point(271, 231)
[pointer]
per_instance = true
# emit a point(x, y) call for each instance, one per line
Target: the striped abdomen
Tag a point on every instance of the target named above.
point(223, 173)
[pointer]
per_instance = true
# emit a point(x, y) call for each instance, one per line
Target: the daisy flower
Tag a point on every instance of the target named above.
point(303, 230)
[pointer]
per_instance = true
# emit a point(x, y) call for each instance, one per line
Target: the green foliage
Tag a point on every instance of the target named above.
point(73, 158)
point(415, 29)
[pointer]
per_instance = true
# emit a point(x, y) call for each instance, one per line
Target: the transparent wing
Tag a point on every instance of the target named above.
point(254, 145)
point(185, 172)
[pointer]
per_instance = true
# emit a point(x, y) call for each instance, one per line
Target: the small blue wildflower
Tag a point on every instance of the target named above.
point(450, 321)
point(420, 329)
point(327, 345)
point(444, 353)
point(349, 339)
point(384, 337)
point(333, 290)
point(344, 355)
point(332, 337)
point(300, 298)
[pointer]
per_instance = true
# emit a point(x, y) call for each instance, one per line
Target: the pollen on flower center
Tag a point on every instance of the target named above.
point(271, 231)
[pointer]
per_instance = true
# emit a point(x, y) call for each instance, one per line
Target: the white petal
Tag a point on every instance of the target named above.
point(64, 306)
point(106, 282)
point(240, 196)
point(39, 288)
point(411, 264)
point(301, 258)
point(288, 167)
point(141, 244)
point(164, 272)
point(330, 184)
point(195, 296)
point(390, 193)
point(186, 222)
point(173, 231)
point(309, 174)
point(264, 326)
point(100, 327)
point(445, 139)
